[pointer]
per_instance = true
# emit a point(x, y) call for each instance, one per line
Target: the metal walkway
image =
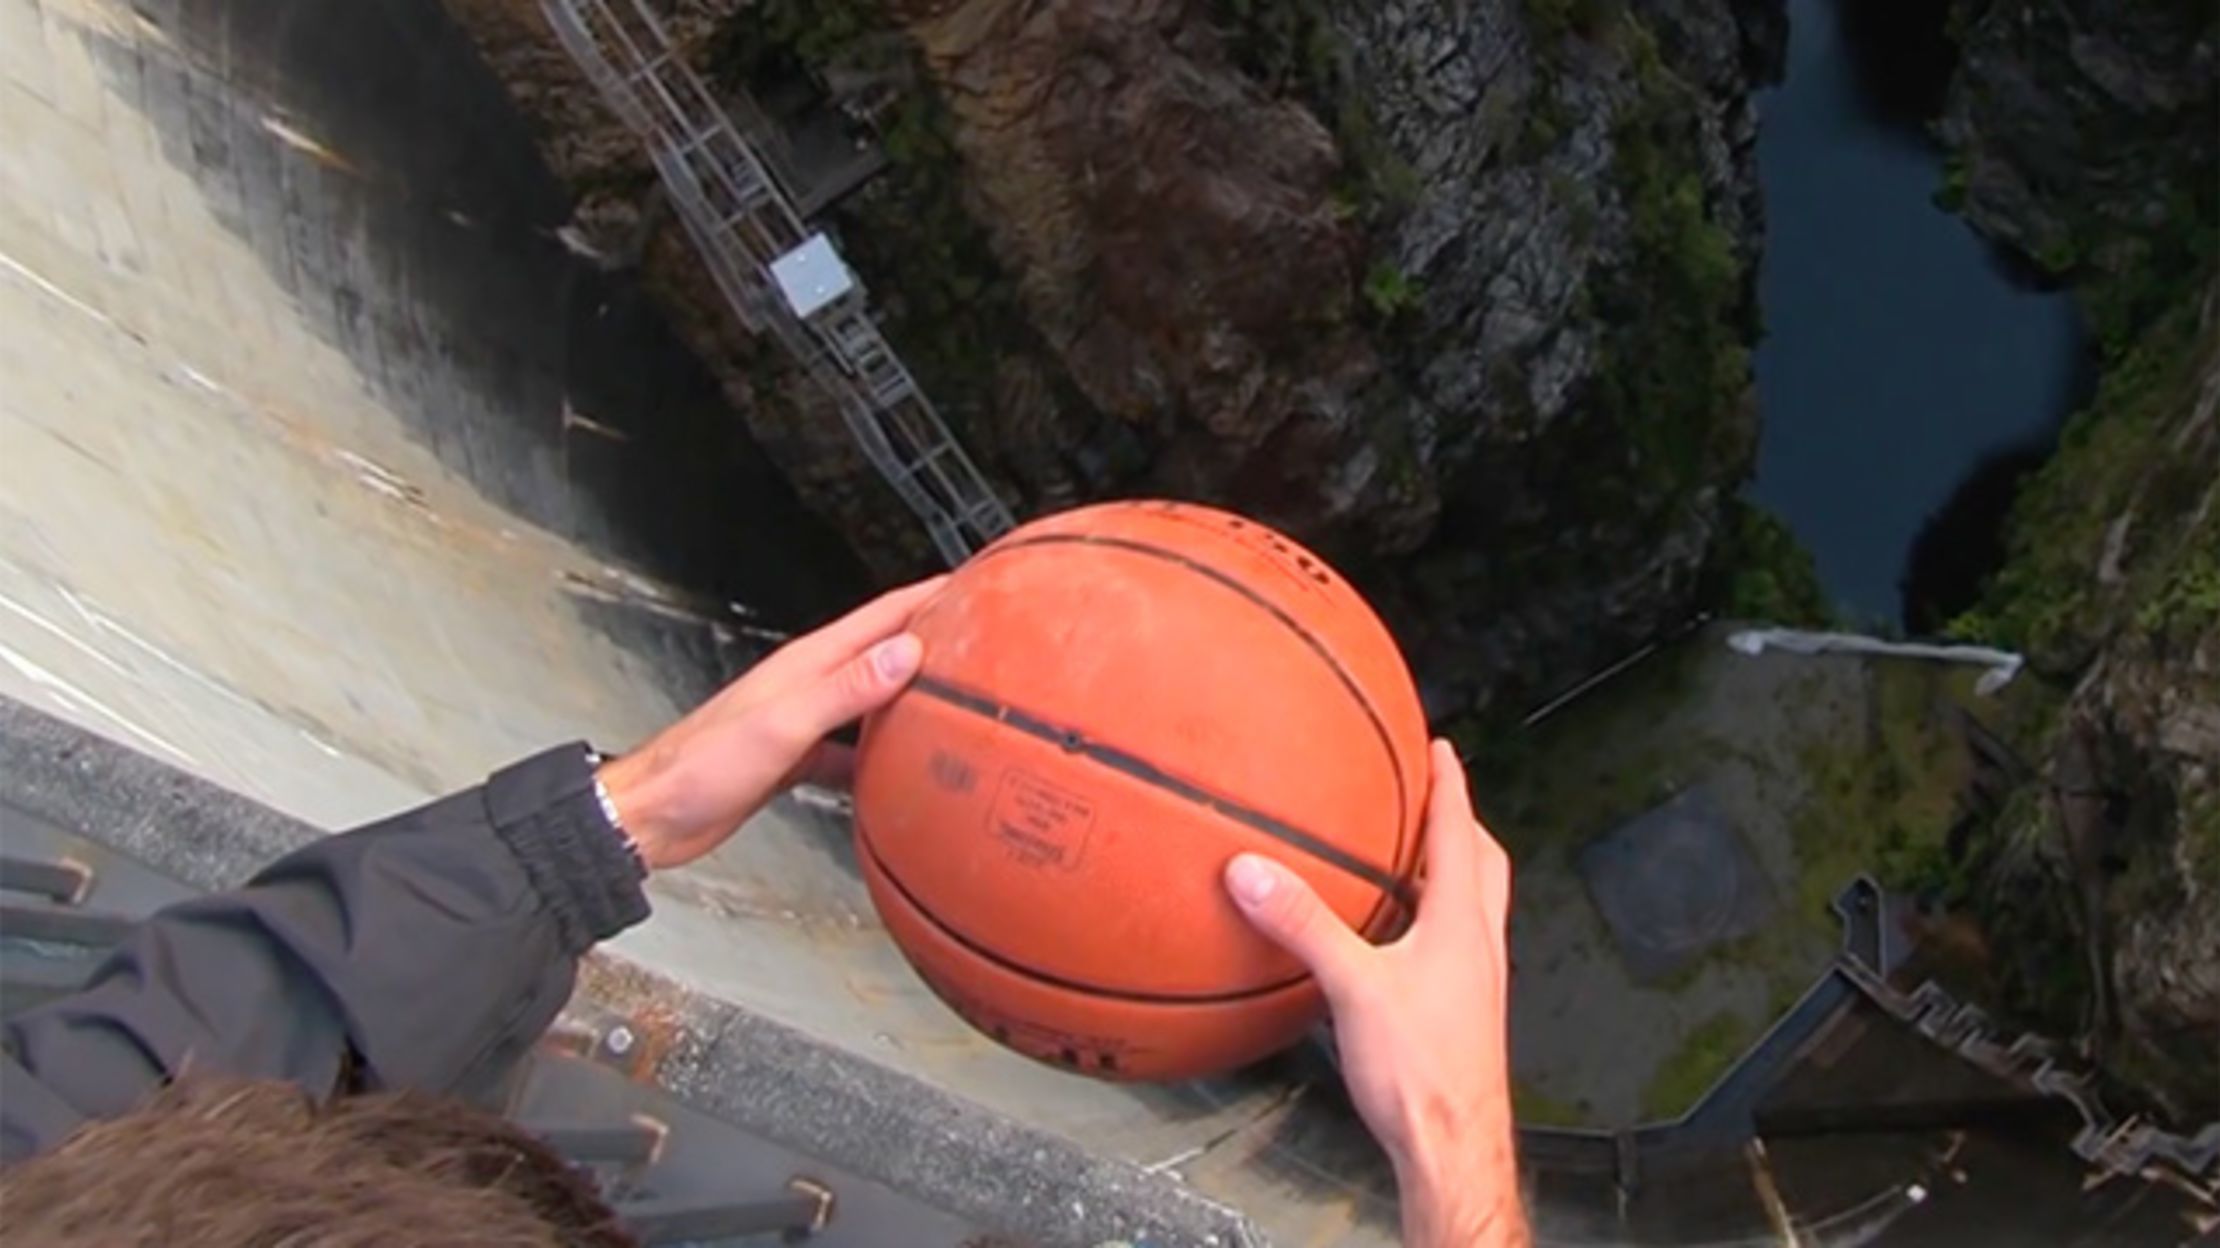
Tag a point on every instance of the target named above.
point(711, 156)
point(2116, 1146)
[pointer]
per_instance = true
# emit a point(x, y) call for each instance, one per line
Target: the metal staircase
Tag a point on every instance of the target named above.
point(720, 161)
point(2117, 1146)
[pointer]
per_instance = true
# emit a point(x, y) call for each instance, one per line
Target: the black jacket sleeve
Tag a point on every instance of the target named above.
point(426, 951)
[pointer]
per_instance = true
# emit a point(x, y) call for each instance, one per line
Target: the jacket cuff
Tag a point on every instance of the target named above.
point(544, 810)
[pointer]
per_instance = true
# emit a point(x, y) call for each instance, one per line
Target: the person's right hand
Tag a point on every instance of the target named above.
point(1420, 1023)
point(685, 791)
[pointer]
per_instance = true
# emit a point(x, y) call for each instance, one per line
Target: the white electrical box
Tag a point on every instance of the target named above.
point(812, 276)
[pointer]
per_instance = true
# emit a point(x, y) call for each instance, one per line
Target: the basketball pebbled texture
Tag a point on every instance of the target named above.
point(1115, 701)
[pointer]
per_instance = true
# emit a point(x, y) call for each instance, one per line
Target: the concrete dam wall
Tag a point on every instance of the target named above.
point(331, 474)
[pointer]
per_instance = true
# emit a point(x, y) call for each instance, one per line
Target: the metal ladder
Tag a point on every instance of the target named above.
point(711, 156)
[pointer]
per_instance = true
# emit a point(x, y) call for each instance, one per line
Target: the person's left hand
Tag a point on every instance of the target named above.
point(693, 784)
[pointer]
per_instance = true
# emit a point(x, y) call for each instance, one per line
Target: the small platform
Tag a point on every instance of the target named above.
point(1674, 882)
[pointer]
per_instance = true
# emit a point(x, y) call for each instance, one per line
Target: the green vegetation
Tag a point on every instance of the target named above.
point(2027, 920)
point(817, 32)
point(1566, 802)
point(2058, 255)
point(1287, 45)
point(2116, 458)
point(2200, 826)
point(1675, 376)
point(2112, 545)
point(1951, 195)
point(947, 303)
point(1593, 764)
point(2188, 601)
point(1883, 802)
point(1577, 200)
point(1765, 574)
point(1828, 768)
point(1553, 21)
point(956, 311)
point(1532, 1107)
point(1669, 413)
point(1390, 292)
point(1689, 1071)
point(2137, 235)
point(2113, 551)
point(1291, 48)
point(1547, 122)
point(2129, 275)
point(1789, 952)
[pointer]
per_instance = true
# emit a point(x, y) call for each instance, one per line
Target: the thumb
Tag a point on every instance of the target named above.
point(856, 688)
point(1282, 906)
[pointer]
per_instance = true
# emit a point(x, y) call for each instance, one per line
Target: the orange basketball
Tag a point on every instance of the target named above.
point(1115, 701)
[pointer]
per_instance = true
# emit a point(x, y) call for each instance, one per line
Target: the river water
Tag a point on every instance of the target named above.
point(1903, 357)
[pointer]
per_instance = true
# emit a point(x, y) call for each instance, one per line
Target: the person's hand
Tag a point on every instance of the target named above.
point(691, 785)
point(1420, 1023)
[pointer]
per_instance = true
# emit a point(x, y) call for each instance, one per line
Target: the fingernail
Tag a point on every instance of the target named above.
point(1251, 878)
point(896, 658)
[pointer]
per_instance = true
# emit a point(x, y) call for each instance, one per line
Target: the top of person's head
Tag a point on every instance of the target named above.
point(220, 1163)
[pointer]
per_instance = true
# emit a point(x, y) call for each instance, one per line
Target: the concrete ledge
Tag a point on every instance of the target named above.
point(736, 1065)
point(178, 824)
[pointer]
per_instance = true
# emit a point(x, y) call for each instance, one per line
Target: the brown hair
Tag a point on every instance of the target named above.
point(220, 1163)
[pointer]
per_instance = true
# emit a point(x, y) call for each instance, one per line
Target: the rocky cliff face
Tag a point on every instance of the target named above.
point(2085, 132)
point(1561, 203)
point(1458, 292)
point(2106, 875)
point(2086, 135)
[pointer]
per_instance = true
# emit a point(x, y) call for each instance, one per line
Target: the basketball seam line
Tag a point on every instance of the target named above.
point(1015, 967)
point(1400, 896)
point(1072, 741)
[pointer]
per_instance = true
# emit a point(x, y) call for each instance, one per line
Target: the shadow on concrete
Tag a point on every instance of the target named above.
point(427, 252)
